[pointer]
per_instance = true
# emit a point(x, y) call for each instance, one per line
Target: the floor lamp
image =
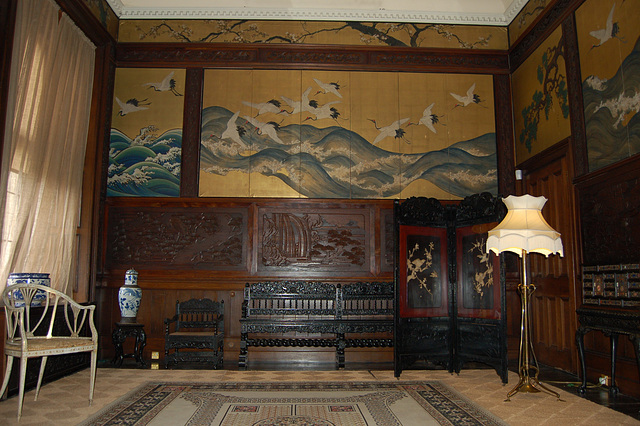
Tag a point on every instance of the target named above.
point(523, 231)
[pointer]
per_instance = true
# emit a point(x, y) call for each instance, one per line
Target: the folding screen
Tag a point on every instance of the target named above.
point(450, 304)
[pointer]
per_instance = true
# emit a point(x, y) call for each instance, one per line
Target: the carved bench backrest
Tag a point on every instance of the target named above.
point(287, 298)
point(200, 314)
point(365, 299)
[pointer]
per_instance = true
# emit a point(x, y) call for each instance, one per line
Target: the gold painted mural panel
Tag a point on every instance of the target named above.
point(540, 99)
point(314, 32)
point(146, 132)
point(326, 134)
point(609, 46)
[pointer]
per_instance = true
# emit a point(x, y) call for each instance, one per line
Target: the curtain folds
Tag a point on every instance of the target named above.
point(44, 147)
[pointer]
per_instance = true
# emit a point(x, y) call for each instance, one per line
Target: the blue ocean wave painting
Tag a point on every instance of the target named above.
point(335, 162)
point(146, 166)
point(608, 104)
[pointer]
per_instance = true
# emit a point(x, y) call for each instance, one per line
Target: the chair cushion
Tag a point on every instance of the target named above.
point(52, 346)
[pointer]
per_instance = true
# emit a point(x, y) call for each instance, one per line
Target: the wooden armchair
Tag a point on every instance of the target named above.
point(198, 333)
point(27, 338)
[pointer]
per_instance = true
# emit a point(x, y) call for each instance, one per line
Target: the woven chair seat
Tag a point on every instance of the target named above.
point(53, 344)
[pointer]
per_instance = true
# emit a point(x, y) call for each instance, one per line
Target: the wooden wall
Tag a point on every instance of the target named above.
point(210, 247)
point(185, 248)
point(610, 226)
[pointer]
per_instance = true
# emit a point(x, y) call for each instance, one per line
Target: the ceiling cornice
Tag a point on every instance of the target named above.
point(308, 14)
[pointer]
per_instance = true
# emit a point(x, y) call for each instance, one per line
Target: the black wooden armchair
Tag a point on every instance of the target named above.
point(195, 333)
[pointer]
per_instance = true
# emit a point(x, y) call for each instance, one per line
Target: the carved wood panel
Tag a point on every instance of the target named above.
point(247, 238)
point(178, 238)
point(314, 240)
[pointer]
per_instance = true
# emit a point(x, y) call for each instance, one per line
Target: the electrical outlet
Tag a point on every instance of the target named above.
point(155, 355)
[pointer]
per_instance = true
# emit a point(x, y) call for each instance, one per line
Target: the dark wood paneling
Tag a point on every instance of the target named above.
point(576, 105)
point(553, 304)
point(246, 239)
point(542, 28)
point(7, 24)
point(79, 12)
point(366, 58)
point(505, 149)
point(209, 247)
point(610, 214)
point(192, 119)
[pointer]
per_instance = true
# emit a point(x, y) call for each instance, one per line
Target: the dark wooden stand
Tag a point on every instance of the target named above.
point(120, 334)
point(612, 322)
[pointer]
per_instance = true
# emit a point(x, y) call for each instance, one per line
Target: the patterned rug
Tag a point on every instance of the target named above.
point(318, 404)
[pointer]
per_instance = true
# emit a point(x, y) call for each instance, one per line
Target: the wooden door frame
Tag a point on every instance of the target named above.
point(572, 246)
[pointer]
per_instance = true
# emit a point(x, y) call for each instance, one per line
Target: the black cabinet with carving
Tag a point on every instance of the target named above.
point(450, 293)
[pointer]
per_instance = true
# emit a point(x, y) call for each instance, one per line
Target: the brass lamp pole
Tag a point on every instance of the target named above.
point(527, 370)
point(524, 231)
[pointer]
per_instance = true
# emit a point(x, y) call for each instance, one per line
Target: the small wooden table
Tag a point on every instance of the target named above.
point(612, 322)
point(120, 334)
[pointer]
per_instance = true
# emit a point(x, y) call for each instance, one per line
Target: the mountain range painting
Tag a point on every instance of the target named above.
point(346, 135)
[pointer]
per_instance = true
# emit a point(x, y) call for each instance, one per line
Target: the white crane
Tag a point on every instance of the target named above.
point(608, 32)
point(270, 129)
point(428, 119)
point(323, 111)
point(467, 99)
point(392, 130)
point(132, 105)
point(233, 131)
point(167, 84)
point(300, 105)
point(273, 106)
point(328, 88)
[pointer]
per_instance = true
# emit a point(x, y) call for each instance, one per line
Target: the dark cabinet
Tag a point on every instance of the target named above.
point(450, 293)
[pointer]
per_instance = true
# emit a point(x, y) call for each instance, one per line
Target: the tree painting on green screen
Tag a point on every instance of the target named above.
point(553, 84)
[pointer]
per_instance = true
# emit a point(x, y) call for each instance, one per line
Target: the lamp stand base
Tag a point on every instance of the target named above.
point(530, 384)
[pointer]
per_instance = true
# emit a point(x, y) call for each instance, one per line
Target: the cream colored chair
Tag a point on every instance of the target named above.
point(31, 333)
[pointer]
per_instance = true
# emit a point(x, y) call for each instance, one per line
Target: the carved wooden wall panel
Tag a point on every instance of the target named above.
point(178, 238)
point(247, 239)
point(311, 240)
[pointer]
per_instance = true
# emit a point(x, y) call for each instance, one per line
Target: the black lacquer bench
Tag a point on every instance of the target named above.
point(316, 314)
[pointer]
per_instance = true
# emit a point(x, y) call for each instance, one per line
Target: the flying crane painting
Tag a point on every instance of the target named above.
point(313, 134)
point(324, 134)
point(609, 47)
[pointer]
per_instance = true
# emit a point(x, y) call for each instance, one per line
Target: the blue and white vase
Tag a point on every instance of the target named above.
point(40, 297)
point(129, 297)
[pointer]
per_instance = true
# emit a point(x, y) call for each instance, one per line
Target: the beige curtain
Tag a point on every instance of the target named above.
point(44, 147)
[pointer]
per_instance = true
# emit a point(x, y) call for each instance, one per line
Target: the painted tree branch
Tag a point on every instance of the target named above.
point(553, 83)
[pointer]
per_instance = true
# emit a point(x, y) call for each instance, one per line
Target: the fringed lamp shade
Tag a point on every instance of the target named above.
point(524, 228)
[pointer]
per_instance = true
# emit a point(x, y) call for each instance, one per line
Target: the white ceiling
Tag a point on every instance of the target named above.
point(479, 12)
